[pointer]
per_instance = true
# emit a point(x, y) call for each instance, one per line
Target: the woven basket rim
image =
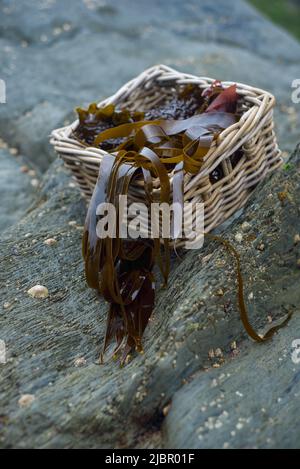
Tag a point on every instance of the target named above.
point(67, 130)
point(253, 133)
point(262, 103)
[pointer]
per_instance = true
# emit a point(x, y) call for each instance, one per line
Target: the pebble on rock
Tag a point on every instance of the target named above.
point(239, 237)
point(50, 241)
point(80, 361)
point(297, 238)
point(34, 182)
point(246, 226)
point(218, 353)
point(233, 345)
point(26, 400)
point(38, 291)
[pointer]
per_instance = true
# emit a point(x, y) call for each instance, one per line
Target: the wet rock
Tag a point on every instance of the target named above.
point(182, 392)
point(217, 401)
point(16, 191)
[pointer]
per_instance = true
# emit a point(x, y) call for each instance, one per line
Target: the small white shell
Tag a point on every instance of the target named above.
point(218, 353)
point(50, 241)
point(80, 361)
point(239, 237)
point(38, 291)
point(34, 182)
point(246, 226)
point(297, 238)
point(26, 400)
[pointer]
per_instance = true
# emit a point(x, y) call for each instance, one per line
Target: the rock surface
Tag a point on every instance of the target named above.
point(194, 387)
point(53, 344)
point(18, 183)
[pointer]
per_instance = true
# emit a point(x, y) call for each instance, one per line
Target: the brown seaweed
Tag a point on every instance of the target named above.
point(148, 146)
point(241, 299)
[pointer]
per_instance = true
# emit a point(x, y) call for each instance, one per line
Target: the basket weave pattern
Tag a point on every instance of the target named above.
point(253, 135)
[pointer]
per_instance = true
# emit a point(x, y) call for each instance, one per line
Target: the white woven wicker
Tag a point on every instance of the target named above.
point(253, 135)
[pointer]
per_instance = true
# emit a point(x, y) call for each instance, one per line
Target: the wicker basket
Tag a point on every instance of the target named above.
point(253, 136)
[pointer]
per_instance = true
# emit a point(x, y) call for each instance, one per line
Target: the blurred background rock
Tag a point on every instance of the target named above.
point(286, 13)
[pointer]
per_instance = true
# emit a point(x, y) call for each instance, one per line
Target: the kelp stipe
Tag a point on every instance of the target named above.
point(241, 299)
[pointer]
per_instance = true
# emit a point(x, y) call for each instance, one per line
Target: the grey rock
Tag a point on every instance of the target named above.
point(16, 190)
point(54, 58)
point(106, 406)
point(250, 403)
point(33, 131)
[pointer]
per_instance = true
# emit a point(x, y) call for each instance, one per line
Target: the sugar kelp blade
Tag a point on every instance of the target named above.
point(137, 288)
point(122, 279)
point(178, 201)
point(165, 192)
point(91, 244)
point(167, 127)
point(121, 175)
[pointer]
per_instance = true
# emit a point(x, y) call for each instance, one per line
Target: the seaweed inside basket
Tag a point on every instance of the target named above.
point(94, 120)
point(187, 102)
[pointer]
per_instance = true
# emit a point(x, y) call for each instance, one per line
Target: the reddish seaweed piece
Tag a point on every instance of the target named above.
point(226, 101)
